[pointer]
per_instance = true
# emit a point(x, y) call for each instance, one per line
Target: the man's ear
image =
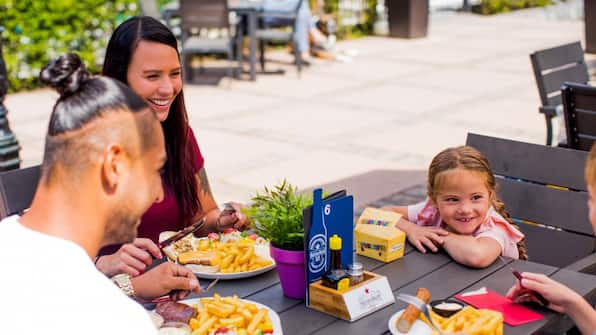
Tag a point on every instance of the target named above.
point(112, 166)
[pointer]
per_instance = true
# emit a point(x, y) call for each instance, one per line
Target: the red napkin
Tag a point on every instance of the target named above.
point(513, 314)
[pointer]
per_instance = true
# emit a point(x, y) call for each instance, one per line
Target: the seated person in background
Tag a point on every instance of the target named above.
point(561, 298)
point(306, 29)
point(462, 213)
point(100, 172)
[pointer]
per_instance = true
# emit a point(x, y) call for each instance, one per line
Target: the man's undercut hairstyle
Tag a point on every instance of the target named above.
point(73, 133)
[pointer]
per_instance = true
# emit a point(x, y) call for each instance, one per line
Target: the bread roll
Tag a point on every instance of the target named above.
point(409, 316)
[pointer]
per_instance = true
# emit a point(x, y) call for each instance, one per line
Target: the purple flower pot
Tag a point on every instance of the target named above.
point(290, 267)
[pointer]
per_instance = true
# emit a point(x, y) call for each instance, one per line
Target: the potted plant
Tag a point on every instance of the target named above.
point(277, 216)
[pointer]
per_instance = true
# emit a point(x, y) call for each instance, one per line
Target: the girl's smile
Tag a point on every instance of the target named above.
point(463, 199)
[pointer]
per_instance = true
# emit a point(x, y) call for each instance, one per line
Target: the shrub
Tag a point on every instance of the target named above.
point(36, 31)
point(500, 6)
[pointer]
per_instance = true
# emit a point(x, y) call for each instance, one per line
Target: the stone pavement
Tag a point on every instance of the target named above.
point(398, 103)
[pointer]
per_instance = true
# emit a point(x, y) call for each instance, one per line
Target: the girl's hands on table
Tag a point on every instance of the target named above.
point(131, 258)
point(425, 237)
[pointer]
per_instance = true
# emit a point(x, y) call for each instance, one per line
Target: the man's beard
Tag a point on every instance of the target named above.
point(121, 227)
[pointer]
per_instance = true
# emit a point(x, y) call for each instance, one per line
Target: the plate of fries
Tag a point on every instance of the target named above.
point(472, 321)
point(238, 316)
point(224, 256)
point(469, 321)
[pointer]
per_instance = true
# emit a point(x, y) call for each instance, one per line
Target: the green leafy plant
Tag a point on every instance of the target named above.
point(37, 31)
point(277, 215)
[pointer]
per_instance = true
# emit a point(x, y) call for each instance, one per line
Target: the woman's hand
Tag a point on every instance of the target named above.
point(165, 278)
point(131, 258)
point(558, 295)
point(232, 217)
point(426, 237)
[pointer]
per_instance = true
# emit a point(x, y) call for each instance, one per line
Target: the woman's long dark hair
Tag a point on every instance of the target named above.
point(179, 174)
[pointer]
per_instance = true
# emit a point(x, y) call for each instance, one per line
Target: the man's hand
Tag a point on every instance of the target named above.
point(165, 278)
point(131, 258)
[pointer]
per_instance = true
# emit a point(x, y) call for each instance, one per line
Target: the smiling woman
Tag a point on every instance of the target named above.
point(143, 54)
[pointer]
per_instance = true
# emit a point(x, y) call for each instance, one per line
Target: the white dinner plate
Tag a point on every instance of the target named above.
point(261, 250)
point(418, 328)
point(273, 316)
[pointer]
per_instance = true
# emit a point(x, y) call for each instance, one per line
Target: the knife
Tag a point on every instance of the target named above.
point(183, 233)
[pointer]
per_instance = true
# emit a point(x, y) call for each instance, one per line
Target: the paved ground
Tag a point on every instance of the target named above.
point(395, 106)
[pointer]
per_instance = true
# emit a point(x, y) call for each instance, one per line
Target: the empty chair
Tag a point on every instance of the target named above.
point(17, 188)
point(280, 26)
point(552, 67)
point(196, 18)
point(544, 191)
point(579, 106)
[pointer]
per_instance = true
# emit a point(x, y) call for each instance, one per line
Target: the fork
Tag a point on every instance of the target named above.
point(203, 290)
point(416, 302)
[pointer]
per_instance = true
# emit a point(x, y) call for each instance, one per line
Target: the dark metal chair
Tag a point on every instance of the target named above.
point(543, 189)
point(552, 67)
point(579, 107)
point(282, 31)
point(198, 16)
point(17, 188)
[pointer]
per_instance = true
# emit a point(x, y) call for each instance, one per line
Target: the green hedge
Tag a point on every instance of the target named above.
point(35, 31)
point(500, 6)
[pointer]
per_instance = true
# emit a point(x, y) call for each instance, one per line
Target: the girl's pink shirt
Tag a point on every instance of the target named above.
point(494, 226)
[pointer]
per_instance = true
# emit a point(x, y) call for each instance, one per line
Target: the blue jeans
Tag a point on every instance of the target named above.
point(303, 21)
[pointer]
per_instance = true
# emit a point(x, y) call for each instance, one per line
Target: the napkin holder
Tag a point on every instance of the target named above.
point(362, 299)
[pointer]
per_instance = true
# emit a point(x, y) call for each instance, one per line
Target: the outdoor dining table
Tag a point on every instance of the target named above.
point(435, 271)
point(246, 9)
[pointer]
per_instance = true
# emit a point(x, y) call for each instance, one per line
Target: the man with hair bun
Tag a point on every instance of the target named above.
point(101, 171)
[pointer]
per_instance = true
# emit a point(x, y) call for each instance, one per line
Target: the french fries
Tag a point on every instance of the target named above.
point(471, 321)
point(229, 257)
point(230, 312)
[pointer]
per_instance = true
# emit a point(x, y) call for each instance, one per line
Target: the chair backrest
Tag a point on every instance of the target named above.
point(17, 188)
point(544, 191)
point(199, 14)
point(579, 106)
point(554, 66)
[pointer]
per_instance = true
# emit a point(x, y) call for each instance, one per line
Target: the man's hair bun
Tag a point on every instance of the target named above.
point(66, 74)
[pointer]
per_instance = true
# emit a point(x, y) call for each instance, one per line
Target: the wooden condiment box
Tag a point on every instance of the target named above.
point(368, 296)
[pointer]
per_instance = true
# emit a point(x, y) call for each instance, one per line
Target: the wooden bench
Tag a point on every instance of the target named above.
point(543, 189)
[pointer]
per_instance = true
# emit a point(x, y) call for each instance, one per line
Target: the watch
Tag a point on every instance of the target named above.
point(124, 283)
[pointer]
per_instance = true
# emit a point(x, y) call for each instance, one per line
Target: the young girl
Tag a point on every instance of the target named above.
point(462, 213)
point(561, 298)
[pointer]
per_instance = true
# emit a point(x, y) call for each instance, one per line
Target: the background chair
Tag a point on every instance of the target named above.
point(278, 27)
point(552, 67)
point(579, 107)
point(150, 8)
point(196, 18)
point(17, 188)
point(544, 191)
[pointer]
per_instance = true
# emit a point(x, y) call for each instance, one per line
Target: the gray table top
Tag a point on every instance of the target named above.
point(437, 272)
